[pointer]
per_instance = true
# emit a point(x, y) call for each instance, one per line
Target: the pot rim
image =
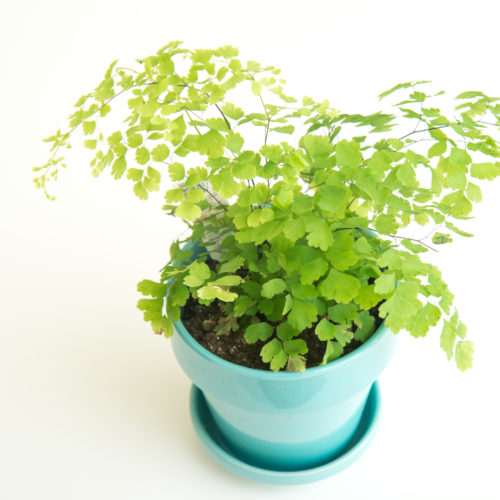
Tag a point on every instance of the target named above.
point(281, 375)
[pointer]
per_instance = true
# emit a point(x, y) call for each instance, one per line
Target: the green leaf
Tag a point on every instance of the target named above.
point(259, 331)
point(407, 175)
point(120, 150)
point(142, 156)
point(396, 87)
point(88, 127)
point(217, 94)
point(348, 154)
point(217, 124)
point(285, 331)
point(385, 284)
point(437, 149)
point(211, 144)
point(114, 139)
point(343, 335)
point(341, 313)
point(256, 88)
point(484, 171)
point(270, 350)
point(225, 185)
point(302, 315)
point(312, 271)
point(340, 253)
point(414, 267)
point(325, 330)
point(232, 112)
point(474, 193)
point(460, 157)
point(367, 298)
point(232, 265)
point(244, 171)
point(160, 153)
point(295, 347)
point(135, 174)
point(195, 195)
point(234, 141)
point(151, 288)
point(119, 167)
point(135, 140)
point(339, 286)
point(149, 183)
point(219, 292)
point(90, 144)
point(297, 255)
point(463, 355)
point(104, 95)
point(318, 146)
point(362, 246)
point(413, 247)
point(333, 351)
point(302, 204)
point(331, 198)
point(441, 238)
point(366, 327)
point(140, 191)
point(455, 229)
point(390, 258)
point(428, 316)
point(179, 130)
point(279, 361)
point(298, 161)
point(174, 195)
point(462, 207)
point(166, 67)
point(305, 292)
point(260, 216)
point(294, 229)
point(319, 235)
point(457, 181)
point(273, 287)
point(179, 294)
point(288, 304)
point(242, 304)
point(187, 210)
point(199, 270)
point(386, 224)
point(469, 95)
point(437, 181)
point(446, 300)
point(176, 171)
point(448, 337)
point(401, 306)
point(288, 129)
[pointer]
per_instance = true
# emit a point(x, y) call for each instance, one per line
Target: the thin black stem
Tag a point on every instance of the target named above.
point(207, 191)
point(425, 130)
point(412, 239)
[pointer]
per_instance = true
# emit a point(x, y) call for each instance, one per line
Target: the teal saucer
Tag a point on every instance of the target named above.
point(212, 441)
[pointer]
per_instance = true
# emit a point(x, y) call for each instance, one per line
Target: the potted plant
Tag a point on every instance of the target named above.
point(284, 300)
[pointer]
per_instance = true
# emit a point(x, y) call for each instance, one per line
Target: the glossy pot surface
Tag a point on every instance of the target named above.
point(286, 420)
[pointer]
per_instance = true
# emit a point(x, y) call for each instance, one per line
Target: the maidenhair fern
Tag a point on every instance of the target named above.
point(310, 236)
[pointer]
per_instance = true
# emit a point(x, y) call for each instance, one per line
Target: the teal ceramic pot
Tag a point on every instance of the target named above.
point(286, 421)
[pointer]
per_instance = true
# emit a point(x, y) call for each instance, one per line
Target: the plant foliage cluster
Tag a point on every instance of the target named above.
point(309, 238)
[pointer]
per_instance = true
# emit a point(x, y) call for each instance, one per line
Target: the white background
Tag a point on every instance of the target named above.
point(92, 404)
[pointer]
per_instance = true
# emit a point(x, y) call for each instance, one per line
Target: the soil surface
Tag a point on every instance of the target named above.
point(200, 321)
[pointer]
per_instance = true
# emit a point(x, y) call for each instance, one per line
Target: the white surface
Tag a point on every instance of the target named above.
point(93, 405)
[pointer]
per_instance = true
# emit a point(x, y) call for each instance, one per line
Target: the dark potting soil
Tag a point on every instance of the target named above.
point(200, 321)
